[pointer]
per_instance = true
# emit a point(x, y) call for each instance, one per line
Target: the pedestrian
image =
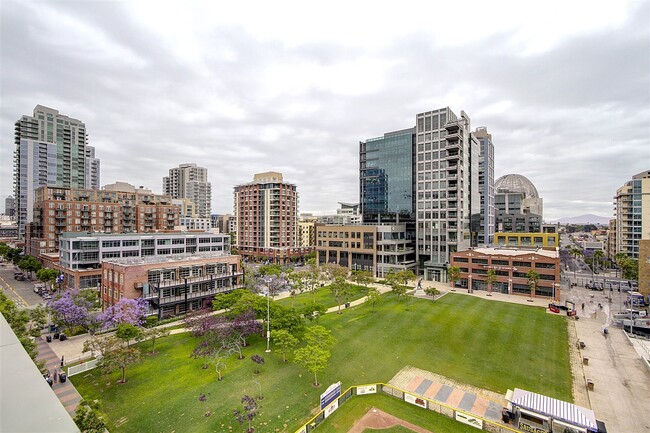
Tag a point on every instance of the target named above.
point(61, 360)
point(56, 376)
point(49, 381)
point(583, 306)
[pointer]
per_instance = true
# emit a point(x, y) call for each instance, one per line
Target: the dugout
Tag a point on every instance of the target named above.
point(536, 413)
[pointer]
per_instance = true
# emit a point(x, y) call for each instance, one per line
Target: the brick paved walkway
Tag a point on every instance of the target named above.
point(66, 392)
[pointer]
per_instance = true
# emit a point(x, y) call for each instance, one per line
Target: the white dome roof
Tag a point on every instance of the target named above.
point(516, 183)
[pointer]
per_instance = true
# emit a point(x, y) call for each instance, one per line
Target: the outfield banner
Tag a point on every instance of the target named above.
point(330, 394)
point(368, 389)
point(413, 399)
point(302, 430)
point(469, 420)
point(331, 408)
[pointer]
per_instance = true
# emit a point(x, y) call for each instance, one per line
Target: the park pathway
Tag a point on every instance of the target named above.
point(66, 392)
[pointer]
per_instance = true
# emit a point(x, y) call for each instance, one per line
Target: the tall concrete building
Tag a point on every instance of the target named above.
point(632, 202)
point(92, 169)
point(190, 181)
point(10, 207)
point(487, 218)
point(266, 211)
point(426, 178)
point(50, 150)
point(447, 188)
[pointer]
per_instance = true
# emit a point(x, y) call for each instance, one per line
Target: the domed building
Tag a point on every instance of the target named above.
point(515, 183)
point(519, 207)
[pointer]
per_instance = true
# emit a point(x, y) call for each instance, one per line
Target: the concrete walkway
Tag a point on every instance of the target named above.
point(66, 392)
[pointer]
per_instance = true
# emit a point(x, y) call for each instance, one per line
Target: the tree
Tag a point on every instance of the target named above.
point(37, 321)
point(432, 291)
point(120, 359)
point(249, 413)
point(88, 419)
point(373, 297)
point(297, 282)
point(284, 341)
point(490, 279)
point(362, 277)
point(127, 332)
point(598, 255)
point(112, 355)
point(405, 275)
point(575, 252)
point(313, 311)
point(313, 280)
point(18, 320)
point(47, 276)
point(533, 278)
point(258, 360)
point(226, 301)
point(70, 310)
point(331, 271)
point(129, 311)
point(152, 334)
point(314, 358)
point(319, 336)
point(30, 264)
point(340, 289)
point(394, 280)
point(453, 273)
point(246, 325)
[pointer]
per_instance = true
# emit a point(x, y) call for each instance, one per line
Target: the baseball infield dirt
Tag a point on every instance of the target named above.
point(378, 419)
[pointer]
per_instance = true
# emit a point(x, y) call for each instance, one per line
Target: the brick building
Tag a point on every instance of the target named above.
point(123, 210)
point(511, 266)
point(172, 285)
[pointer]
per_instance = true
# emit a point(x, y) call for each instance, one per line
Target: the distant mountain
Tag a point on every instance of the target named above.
point(585, 219)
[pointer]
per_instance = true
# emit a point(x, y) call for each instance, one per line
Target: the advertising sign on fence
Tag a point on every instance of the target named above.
point(331, 408)
point(413, 399)
point(330, 394)
point(469, 420)
point(368, 389)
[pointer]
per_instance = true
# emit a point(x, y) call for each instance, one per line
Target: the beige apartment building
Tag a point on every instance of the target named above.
point(377, 248)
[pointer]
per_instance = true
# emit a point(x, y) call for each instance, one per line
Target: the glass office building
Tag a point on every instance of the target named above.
point(386, 178)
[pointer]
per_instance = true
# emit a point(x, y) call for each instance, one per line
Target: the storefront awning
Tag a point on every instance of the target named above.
point(557, 409)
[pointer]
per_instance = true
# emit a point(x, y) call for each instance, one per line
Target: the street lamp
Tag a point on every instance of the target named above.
point(268, 318)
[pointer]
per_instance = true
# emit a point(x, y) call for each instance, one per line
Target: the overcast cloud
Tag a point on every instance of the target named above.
point(564, 88)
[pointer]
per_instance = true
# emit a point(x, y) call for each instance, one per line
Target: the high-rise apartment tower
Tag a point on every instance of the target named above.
point(191, 182)
point(50, 150)
point(266, 211)
point(632, 202)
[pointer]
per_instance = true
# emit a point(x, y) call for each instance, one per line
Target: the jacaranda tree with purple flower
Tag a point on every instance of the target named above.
point(70, 310)
point(131, 311)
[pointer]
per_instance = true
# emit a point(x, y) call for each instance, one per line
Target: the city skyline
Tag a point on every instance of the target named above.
point(240, 93)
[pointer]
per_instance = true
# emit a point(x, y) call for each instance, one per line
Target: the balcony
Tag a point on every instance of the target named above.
point(451, 126)
point(177, 298)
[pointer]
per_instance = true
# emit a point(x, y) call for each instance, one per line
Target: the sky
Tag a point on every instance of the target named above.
point(248, 87)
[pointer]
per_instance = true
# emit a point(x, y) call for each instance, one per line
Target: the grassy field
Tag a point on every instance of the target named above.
point(492, 345)
point(323, 296)
point(345, 416)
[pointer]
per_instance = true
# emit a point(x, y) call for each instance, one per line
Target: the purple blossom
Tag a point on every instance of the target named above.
point(70, 309)
point(131, 311)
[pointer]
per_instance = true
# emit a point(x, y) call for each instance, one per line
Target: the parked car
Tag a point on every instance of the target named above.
point(19, 276)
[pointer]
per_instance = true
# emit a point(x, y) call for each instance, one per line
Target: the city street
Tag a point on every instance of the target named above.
point(22, 292)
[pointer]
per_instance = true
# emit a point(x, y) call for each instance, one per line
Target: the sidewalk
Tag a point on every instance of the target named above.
point(66, 392)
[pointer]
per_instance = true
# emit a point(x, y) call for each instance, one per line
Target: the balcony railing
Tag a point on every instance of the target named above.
point(153, 296)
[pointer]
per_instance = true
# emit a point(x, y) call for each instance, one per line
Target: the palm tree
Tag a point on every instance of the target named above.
point(490, 279)
point(575, 252)
point(598, 254)
point(533, 278)
point(453, 275)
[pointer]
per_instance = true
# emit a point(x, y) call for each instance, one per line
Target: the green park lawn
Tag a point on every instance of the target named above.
point(487, 344)
point(322, 296)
